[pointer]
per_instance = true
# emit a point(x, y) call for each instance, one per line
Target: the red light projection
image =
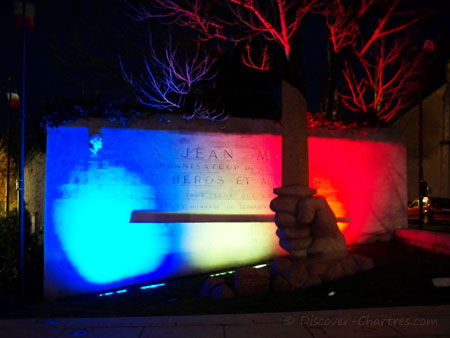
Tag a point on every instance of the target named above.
point(325, 188)
point(361, 180)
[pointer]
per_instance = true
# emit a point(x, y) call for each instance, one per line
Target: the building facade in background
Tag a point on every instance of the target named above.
point(436, 142)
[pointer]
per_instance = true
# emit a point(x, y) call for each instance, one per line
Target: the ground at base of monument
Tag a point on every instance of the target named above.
point(401, 277)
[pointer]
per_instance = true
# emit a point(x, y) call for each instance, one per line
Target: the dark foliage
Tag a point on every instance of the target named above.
point(9, 253)
point(65, 111)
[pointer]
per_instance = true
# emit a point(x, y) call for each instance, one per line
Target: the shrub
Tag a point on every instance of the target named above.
point(10, 256)
point(9, 251)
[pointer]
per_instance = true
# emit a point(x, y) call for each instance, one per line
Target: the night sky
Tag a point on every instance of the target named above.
point(74, 48)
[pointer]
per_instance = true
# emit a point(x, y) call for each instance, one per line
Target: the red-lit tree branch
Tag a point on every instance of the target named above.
point(384, 70)
point(373, 34)
point(383, 29)
point(355, 100)
point(262, 65)
point(277, 25)
point(166, 81)
point(389, 79)
point(277, 21)
point(364, 5)
point(343, 22)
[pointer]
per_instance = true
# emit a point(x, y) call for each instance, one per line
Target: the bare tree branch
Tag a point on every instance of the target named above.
point(203, 113)
point(390, 74)
point(166, 81)
point(276, 23)
point(263, 64)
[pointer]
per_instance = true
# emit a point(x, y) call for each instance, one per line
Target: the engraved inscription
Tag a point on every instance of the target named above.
point(233, 174)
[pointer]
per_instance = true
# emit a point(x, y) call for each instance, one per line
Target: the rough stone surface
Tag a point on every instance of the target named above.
point(296, 244)
point(279, 265)
point(328, 248)
point(250, 281)
point(222, 291)
point(299, 253)
point(280, 284)
point(323, 223)
point(287, 204)
point(285, 220)
point(349, 265)
point(313, 280)
point(294, 233)
point(306, 210)
point(297, 275)
point(210, 284)
point(364, 263)
point(334, 271)
point(307, 222)
point(308, 230)
point(316, 267)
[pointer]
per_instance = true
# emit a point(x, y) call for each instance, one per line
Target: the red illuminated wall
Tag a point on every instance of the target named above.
point(362, 180)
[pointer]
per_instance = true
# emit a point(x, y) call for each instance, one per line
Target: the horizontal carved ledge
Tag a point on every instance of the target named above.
point(173, 217)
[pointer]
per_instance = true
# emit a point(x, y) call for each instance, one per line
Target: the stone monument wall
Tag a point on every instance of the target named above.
point(99, 175)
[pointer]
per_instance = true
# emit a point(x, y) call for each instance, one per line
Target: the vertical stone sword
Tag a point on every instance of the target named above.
point(295, 140)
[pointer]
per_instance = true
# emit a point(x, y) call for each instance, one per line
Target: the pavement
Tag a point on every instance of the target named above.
point(417, 322)
point(431, 227)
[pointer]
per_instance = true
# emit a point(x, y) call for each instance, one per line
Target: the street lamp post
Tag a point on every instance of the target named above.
point(8, 141)
point(22, 153)
point(420, 145)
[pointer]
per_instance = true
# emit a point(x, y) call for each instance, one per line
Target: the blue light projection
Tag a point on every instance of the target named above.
point(112, 248)
point(153, 286)
point(90, 195)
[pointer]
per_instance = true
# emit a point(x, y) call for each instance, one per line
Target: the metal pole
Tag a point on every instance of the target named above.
point(22, 153)
point(8, 138)
point(445, 143)
point(420, 145)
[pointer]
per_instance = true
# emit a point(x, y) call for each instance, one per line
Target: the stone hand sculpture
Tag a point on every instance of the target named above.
point(306, 224)
point(308, 231)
